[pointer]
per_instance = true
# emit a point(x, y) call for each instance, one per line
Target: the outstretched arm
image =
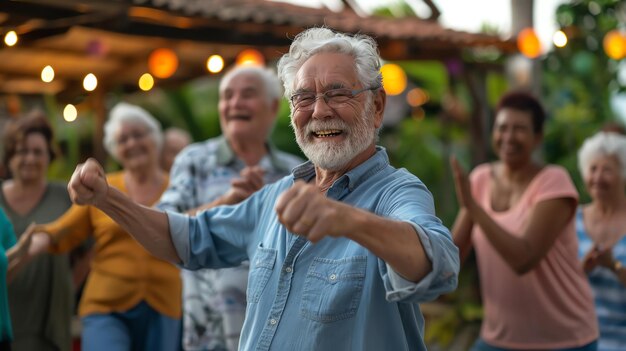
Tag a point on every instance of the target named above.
point(88, 186)
point(303, 210)
point(522, 252)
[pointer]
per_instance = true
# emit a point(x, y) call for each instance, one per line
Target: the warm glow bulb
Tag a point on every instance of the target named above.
point(10, 38)
point(559, 39)
point(417, 97)
point(146, 82)
point(47, 74)
point(250, 57)
point(528, 43)
point(163, 63)
point(90, 82)
point(70, 113)
point(215, 64)
point(614, 44)
point(394, 78)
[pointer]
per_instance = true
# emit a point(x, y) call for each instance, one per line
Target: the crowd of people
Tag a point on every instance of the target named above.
point(231, 244)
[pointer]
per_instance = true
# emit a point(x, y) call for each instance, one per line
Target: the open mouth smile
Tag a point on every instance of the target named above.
point(327, 133)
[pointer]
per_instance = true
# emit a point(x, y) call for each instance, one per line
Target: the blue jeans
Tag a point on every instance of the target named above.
point(141, 328)
point(480, 345)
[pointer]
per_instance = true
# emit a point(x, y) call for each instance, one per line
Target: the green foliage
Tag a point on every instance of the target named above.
point(579, 80)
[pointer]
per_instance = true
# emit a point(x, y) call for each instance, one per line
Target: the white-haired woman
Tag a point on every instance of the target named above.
point(601, 228)
point(131, 300)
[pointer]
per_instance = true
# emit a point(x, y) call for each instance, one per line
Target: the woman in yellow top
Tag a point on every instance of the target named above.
point(132, 300)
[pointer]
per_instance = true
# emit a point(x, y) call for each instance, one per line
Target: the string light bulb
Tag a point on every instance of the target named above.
point(90, 82)
point(10, 38)
point(394, 78)
point(70, 113)
point(215, 64)
point(528, 43)
point(614, 45)
point(559, 39)
point(47, 74)
point(146, 82)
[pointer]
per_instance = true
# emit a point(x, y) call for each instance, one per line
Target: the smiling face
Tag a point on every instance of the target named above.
point(603, 178)
point(513, 137)
point(340, 137)
point(135, 147)
point(31, 159)
point(245, 110)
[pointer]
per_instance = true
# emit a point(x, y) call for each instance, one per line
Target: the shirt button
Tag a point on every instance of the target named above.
point(333, 277)
point(273, 321)
point(288, 269)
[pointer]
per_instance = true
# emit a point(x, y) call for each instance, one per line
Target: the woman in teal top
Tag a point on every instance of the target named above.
point(10, 260)
point(8, 240)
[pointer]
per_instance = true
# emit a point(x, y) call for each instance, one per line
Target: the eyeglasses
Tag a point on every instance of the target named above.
point(334, 98)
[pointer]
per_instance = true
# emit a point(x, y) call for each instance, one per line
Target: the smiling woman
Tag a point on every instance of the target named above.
point(517, 214)
point(40, 296)
point(131, 297)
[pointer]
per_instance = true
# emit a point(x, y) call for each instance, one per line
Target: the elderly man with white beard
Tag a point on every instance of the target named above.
point(342, 250)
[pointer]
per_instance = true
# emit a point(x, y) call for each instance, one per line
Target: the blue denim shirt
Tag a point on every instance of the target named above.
point(335, 294)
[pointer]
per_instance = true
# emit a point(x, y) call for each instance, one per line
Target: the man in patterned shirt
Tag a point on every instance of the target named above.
point(219, 171)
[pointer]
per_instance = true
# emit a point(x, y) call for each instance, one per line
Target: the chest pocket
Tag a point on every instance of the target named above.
point(332, 289)
point(260, 271)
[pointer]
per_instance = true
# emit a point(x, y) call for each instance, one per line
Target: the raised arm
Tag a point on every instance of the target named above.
point(462, 233)
point(524, 251)
point(303, 210)
point(88, 186)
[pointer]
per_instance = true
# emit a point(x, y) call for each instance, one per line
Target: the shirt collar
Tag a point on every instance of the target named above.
point(355, 176)
point(226, 155)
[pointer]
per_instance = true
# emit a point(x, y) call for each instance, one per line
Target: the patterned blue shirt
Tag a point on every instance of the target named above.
point(214, 301)
point(335, 294)
point(608, 292)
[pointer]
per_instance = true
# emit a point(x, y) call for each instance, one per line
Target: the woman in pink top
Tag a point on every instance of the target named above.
point(518, 215)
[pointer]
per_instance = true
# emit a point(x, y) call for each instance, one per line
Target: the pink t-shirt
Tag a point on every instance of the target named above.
point(549, 307)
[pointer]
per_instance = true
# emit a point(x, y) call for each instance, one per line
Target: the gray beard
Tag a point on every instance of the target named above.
point(334, 156)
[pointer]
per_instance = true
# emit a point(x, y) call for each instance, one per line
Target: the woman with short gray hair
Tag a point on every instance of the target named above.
point(601, 230)
point(132, 300)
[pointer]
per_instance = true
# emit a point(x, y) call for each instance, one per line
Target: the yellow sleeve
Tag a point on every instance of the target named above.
point(69, 230)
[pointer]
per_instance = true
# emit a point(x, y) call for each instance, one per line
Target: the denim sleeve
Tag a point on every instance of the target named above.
point(179, 232)
point(415, 206)
point(433, 284)
point(219, 237)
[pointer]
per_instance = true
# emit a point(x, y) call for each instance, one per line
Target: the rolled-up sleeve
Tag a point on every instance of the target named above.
point(414, 205)
point(441, 279)
point(179, 232)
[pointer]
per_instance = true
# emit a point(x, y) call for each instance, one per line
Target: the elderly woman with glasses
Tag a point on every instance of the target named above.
point(40, 295)
point(601, 228)
point(132, 300)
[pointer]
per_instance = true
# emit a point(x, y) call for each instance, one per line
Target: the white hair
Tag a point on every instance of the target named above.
point(317, 40)
point(268, 78)
point(126, 113)
point(599, 145)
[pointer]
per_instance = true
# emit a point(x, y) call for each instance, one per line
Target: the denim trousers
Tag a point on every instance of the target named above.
point(481, 345)
point(141, 328)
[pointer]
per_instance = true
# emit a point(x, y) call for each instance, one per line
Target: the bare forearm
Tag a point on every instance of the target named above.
point(394, 242)
point(17, 259)
point(148, 226)
point(461, 233)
